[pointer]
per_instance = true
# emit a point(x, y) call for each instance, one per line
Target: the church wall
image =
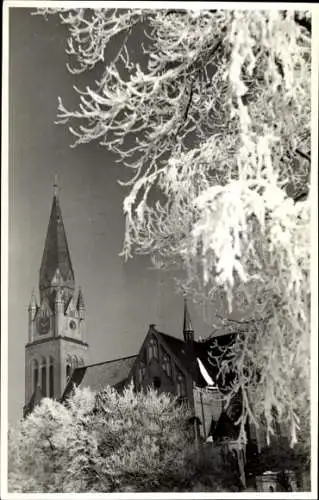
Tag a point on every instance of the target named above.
point(38, 351)
point(76, 353)
point(153, 373)
point(208, 406)
point(148, 370)
point(60, 350)
point(72, 326)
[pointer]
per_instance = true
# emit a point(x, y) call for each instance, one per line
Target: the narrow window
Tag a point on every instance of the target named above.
point(44, 378)
point(181, 386)
point(35, 374)
point(152, 349)
point(51, 378)
point(141, 373)
point(166, 364)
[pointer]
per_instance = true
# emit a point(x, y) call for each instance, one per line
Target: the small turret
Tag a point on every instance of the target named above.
point(32, 311)
point(188, 331)
point(33, 304)
point(59, 312)
point(80, 304)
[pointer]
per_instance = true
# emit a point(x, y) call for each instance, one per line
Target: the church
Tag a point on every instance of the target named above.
point(57, 352)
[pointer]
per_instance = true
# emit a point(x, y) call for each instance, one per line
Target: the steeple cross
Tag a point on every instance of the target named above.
point(55, 186)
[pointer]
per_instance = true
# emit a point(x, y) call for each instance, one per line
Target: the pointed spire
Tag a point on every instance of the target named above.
point(56, 257)
point(33, 301)
point(188, 331)
point(80, 302)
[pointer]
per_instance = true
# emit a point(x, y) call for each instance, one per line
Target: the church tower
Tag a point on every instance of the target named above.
point(56, 338)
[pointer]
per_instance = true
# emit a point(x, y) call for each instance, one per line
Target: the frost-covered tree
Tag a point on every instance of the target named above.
point(144, 441)
point(109, 442)
point(45, 446)
point(212, 116)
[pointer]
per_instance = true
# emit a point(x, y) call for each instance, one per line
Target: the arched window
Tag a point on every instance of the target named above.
point(181, 386)
point(51, 378)
point(35, 374)
point(68, 368)
point(156, 382)
point(44, 377)
point(141, 373)
point(152, 349)
point(166, 364)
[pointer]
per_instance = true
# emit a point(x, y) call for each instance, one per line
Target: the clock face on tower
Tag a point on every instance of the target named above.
point(72, 324)
point(44, 325)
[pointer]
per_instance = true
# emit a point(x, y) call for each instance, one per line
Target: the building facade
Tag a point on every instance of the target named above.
point(56, 354)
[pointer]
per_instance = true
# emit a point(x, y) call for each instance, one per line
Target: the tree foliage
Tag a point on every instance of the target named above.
point(108, 442)
point(212, 116)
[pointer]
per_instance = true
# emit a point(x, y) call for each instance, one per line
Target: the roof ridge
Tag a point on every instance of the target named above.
point(171, 336)
point(178, 338)
point(109, 361)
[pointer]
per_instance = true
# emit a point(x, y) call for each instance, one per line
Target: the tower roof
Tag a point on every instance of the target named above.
point(187, 326)
point(80, 301)
point(33, 301)
point(56, 261)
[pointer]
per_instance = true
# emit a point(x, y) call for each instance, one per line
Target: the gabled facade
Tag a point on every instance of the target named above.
point(168, 364)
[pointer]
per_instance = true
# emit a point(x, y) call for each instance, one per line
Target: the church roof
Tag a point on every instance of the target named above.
point(56, 254)
point(210, 348)
point(98, 375)
point(80, 301)
point(204, 350)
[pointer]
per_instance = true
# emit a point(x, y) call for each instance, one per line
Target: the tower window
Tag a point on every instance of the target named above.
point(44, 377)
point(68, 372)
point(35, 374)
point(68, 368)
point(51, 378)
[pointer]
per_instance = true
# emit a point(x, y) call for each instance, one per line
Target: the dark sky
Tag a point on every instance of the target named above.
point(122, 299)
